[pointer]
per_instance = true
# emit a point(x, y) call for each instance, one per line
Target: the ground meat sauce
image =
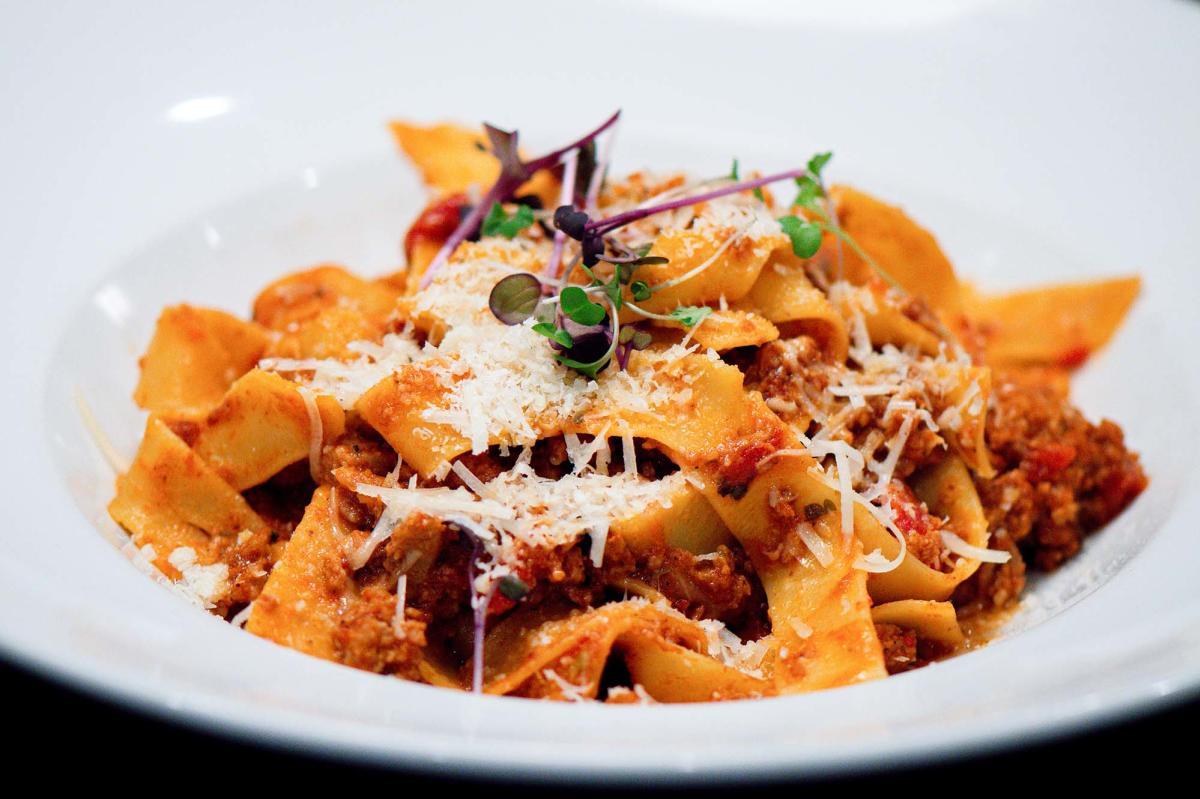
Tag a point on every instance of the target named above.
point(899, 647)
point(792, 375)
point(904, 649)
point(367, 636)
point(1059, 478)
point(721, 585)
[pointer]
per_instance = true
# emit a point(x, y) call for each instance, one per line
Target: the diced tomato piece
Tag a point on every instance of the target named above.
point(439, 219)
point(911, 515)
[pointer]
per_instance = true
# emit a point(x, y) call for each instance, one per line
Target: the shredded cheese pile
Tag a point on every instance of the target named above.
point(519, 507)
point(913, 384)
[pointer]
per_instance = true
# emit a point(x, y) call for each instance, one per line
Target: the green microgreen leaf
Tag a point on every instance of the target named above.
point(733, 173)
point(590, 369)
point(575, 303)
point(560, 337)
point(613, 290)
point(499, 223)
point(640, 290)
point(817, 163)
point(809, 194)
point(515, 298)
point(690, 315)
point(805, 235)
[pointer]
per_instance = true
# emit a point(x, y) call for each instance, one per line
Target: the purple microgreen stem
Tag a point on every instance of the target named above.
point(565, 198)
point(512, 175)
point(602, 226)
point(601, 169)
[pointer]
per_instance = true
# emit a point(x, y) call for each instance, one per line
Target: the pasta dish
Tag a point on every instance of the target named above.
point(651, 438)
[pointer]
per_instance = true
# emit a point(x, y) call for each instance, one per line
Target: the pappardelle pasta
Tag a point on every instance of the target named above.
point(651, 438)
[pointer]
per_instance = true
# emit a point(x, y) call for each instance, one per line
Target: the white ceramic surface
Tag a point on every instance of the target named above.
point(162, 152)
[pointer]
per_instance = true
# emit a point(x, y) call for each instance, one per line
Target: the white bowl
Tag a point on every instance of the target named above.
point(160, 153)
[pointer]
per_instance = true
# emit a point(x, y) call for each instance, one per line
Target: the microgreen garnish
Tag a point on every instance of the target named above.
point(818, 205)
point(513, 173)
point(584, 334)
point(805, 235)
point(560, 337)
point(809, 194)
point(499, 223)
point(589, 343)
point(571, 221)
point(591, 233)
point(513, 587)
point(515, 298)
point(586, 337)
point(690, 315)
point(818, 162)
point(639, 339)
point(578, 308)
point(585, 170)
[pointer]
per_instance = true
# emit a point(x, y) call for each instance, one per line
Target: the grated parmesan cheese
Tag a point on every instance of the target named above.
point(959, 547)
point(520, 507)
point(208, 584)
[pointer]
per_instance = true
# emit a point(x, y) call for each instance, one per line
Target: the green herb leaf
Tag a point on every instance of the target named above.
point(758, 194)
point(805, 235)
point(817, 163)
point(690, 315)
point(641, 340)
point(575, 304)
point(499, 223)
point(513, 587)
point(515, 298)
point(810, 192)
point(733, 173)
point(560, 337)
point(640, 290)
point(590, 369)
point(613, 289)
